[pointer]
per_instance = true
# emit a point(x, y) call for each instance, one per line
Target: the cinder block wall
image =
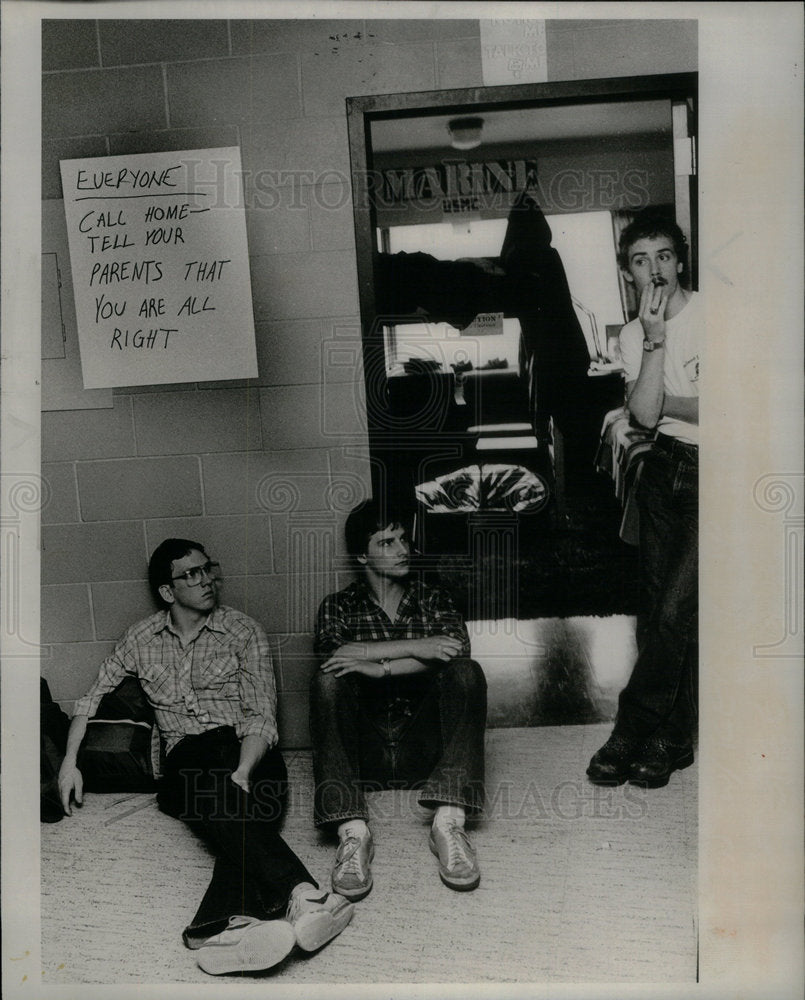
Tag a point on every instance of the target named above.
point(260, 471)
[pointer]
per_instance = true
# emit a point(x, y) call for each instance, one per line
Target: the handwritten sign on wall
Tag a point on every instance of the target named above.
point(160, 267)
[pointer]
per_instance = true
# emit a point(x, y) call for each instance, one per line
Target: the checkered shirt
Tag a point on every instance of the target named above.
point(221, 677)
point(353, 615)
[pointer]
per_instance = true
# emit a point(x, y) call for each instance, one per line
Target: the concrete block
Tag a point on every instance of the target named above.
point(186, 423)
point(166, 387)
point(458, 63)
point(166, 140)
point(265, 482)
point(293, 714)
point(297, 663)
point(116, 606)
point(398, 31)
point(71, 668)
point(294, 35)
point(634, 47)
point(135, 488)
point(62, 493)
point(133, 41)
point(94, 102)
point(282, 603)
point(328, 78)
point(242, 544)
point(296, 152)
point(559, 50)
point(289, 353)
point(65, 149)
point(65, 614)
point(310, 416)
point(332, 225)
point(342, 351)
point(69, 44)
point(351, 478)
point(304, 286)
point(305, 543)
point(86, 434)
point(78, 553)
point(233, 91)
point(274, 225)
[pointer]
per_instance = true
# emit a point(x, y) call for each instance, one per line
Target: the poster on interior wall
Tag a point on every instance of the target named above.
point(513, 50)
point(160, 267)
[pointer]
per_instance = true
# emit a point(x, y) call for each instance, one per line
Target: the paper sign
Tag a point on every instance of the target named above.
point(485, 325)
point(513, 51)
point(160, 267)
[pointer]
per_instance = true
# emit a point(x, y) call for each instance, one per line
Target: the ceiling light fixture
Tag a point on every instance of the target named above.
point(465, 133)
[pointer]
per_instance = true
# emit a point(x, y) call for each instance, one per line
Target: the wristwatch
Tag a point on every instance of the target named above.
point(652, 345)
point(386, 667)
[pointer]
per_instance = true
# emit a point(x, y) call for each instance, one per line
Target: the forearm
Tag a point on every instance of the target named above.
point(646, 398)
point(75, 734)
point(252, 750)
point(408, 665)
point(390, 649)
point(682, 408)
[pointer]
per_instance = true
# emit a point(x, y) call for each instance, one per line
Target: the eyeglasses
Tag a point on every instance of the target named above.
point(194, 576)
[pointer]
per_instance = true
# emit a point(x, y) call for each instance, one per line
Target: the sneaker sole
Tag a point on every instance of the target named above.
point(660, 782)
point(353, 895)
point(314, 930)
point(260, 948)
point(459, 886)
point(465, 883)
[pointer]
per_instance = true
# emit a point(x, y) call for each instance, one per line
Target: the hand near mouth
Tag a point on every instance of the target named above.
point(652, 309)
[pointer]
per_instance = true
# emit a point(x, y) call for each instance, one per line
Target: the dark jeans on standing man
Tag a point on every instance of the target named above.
point(422, 731)
point(255, 870)
point(660, 698)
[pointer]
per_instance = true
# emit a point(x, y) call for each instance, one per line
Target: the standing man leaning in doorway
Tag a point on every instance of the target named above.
point(653, 733)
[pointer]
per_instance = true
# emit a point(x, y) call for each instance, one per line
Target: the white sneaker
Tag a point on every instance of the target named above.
point(317, 916)
point(352, 875)
point(246, 945)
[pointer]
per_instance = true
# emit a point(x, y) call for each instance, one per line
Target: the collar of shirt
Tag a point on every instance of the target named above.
point(214, 622)
point(410, 603)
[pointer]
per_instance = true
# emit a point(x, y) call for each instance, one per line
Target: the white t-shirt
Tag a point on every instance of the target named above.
point(681, 364)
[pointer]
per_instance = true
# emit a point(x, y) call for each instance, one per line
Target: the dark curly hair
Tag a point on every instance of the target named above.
point(650, 224)
point(161, 562)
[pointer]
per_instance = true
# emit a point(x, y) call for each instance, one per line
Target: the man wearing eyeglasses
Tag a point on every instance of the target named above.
point(206, 670)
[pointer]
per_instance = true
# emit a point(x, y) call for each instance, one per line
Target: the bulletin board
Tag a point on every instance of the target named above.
point(160, 267)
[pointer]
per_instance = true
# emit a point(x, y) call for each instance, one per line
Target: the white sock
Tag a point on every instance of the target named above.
point(357, 828)
point(449, 814)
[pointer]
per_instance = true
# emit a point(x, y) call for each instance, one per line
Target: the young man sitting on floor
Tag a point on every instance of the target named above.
point(395, 703)
point(206, 670)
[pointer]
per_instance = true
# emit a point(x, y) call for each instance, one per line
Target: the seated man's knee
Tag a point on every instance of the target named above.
point(325, 686)
point(467, 674)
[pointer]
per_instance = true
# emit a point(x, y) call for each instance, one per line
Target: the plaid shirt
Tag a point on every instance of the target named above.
point(353, 615)
point(222, 677)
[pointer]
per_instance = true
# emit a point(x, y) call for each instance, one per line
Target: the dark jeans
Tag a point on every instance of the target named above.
point(255, 870)
point(660, 697)
point(422, 731)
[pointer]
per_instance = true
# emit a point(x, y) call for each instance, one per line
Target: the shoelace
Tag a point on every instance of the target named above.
point(348, 857)
point(302, 902)
point(459, 849)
